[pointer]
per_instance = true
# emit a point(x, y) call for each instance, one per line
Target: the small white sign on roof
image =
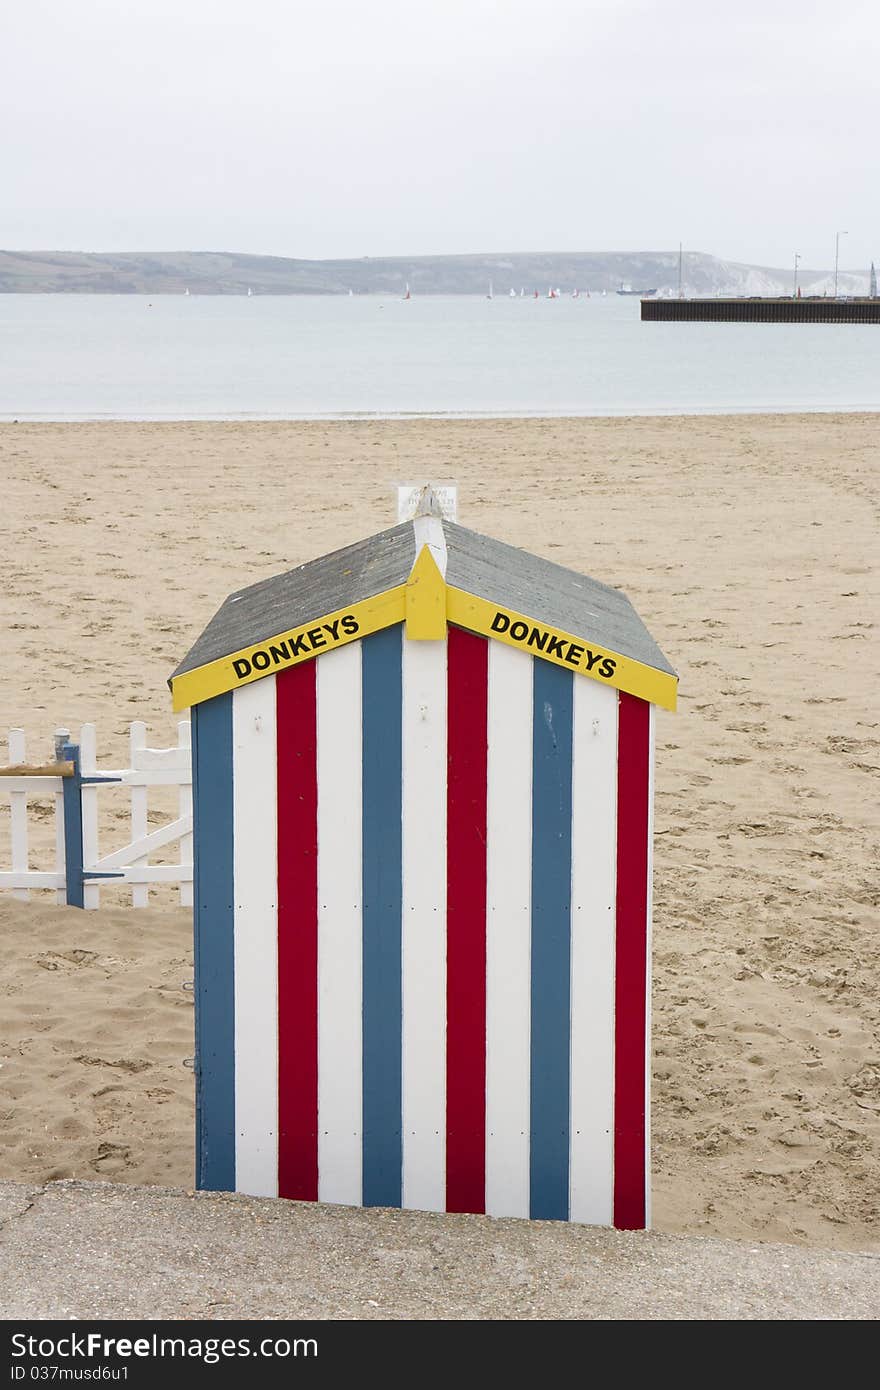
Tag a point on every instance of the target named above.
point(414, 499)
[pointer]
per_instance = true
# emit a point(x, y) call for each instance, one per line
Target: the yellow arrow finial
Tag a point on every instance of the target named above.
point(426, 600)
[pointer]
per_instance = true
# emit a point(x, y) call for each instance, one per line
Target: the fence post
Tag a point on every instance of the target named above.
point(73, 828)
point(88, 748)
point(18, 812)
point(62, 736)
point(140, 892)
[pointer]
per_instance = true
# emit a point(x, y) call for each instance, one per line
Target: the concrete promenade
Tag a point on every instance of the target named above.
point(104, 1250)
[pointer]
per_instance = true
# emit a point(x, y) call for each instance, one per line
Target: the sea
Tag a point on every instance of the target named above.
point(195, 357)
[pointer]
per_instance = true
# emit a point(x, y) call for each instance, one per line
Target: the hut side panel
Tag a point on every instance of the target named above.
point(632, 969)
point(213, 895)
point(425, 1083)
point(255, 936)
point(382, 842)
point(593, 917)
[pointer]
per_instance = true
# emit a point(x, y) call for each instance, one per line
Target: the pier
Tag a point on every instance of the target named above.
point(761, 310)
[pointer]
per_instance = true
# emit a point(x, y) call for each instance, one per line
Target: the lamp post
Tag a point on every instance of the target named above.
point(797, 257)
point(837, 237)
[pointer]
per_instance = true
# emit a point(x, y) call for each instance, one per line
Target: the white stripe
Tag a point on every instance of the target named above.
point(593, 909)
point(256, 938)
point(424, 925)
point(339, 926)
point(428, 531)
point(648, 971)
point(508, 930)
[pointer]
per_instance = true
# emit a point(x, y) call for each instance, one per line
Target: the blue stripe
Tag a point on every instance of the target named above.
point(553, 693)
point(214, 944)
point(382, 910)
point(71, 794)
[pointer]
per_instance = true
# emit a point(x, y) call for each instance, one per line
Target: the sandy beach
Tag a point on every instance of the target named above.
point(746, 544)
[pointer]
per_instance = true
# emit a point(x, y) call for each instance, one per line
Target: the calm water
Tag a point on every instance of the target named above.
point(83, 357)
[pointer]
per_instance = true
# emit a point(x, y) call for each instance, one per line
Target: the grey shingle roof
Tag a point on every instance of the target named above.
point(550, 593)
point(487, 568)
point(301, 595)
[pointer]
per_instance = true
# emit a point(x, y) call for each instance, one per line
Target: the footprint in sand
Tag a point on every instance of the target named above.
point(122, 1063)
point(111, 1158)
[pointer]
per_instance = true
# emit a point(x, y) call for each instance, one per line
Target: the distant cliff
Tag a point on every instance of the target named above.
point(222, 272)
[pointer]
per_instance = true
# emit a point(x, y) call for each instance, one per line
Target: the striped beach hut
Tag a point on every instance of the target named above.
point(422, 792)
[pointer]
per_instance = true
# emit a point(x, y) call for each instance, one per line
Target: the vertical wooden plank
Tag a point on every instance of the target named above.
point(630, 1111)
point(18, 813)
point(381, 713)
point(340, 926)
point(466, 922)
point(73, 837)
point(62, 736)
point(649, 935)
point(297, 933)
point(137, 736)
point(184, 808)
point(88, 766)
point(256, 939)
point(508, 944)
point(593, 875)
point(551, 941)
point(214, 944)
point(424, 925)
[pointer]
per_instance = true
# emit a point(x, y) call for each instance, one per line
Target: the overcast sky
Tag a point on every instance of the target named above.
point(370, 127)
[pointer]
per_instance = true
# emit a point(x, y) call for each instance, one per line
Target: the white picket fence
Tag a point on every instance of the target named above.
point(130, 863)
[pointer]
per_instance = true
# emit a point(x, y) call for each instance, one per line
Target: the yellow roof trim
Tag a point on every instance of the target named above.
point(418, 604)
point(576, 654)
point(289, 648)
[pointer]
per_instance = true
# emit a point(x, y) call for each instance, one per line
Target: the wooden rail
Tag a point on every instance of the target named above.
point(62, 769)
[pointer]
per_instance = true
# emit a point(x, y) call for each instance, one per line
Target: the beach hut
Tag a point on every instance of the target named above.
point(422, 795)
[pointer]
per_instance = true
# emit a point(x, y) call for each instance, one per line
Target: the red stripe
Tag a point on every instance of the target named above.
point(630, 1082)
point(297, 933)
point(466, 922)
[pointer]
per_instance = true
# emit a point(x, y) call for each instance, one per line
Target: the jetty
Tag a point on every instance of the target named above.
point(784, 309)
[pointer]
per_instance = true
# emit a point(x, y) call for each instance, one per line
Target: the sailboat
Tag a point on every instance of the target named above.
point(491, 294)
point(551, 293)
point(513, 294)
point(186, 292)
point(522, 292)
point(536, 294)
point(407, 294)
point(250, 292)
point(575, 294)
